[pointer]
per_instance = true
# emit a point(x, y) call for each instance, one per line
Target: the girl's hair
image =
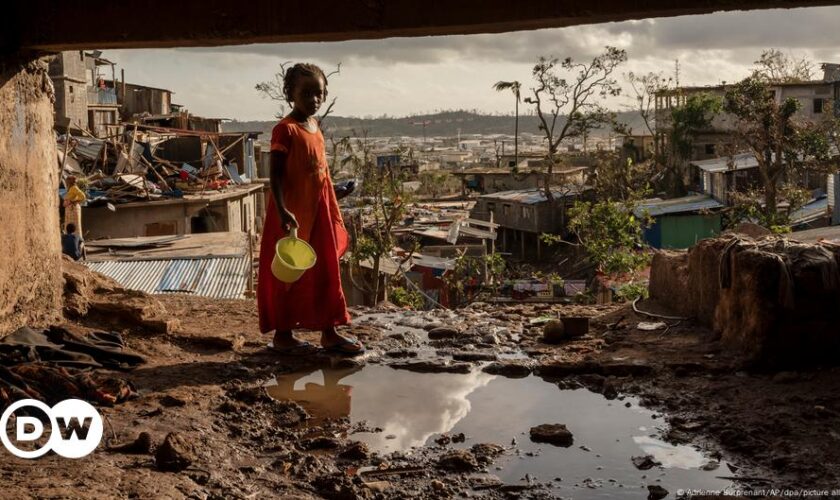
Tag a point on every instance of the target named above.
point(298, 71)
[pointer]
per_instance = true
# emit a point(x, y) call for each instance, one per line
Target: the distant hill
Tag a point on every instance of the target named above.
point(445, 124)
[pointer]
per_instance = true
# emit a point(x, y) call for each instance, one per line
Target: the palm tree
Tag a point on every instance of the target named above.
point(514, 86)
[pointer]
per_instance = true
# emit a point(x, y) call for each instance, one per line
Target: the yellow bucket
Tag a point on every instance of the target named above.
point(292, 257)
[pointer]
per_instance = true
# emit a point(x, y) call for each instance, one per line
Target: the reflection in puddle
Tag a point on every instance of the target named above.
point(409, 407)
point(681, 457)
point(414, 408)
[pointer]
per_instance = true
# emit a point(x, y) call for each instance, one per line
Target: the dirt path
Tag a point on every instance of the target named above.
point(202, 382)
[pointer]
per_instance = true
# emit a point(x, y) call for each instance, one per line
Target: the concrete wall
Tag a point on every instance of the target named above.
point(151, 219)
point(30, 273)
point(67, 71)
point(127, 222)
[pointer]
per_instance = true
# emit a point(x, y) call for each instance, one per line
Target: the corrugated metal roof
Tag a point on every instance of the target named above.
point(685, 204)
point(741, 161)
point(90, 149)
point(214, 277)
point(433, 262)
point(535, 195)
point(810, 212)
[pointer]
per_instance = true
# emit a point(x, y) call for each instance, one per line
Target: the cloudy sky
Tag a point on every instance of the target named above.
point(403, 76)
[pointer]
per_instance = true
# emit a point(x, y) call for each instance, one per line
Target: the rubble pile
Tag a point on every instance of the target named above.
point(140, 164)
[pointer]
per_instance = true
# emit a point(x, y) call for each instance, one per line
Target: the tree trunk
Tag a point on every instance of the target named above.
point(375, 286)
point(516, 136)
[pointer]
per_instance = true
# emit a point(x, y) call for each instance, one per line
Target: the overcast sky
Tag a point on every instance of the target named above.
point(403, 76)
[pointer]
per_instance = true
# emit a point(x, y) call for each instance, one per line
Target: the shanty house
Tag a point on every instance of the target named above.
point(523, 215)
point(232, 210)
point(680, 222)
point(82, 99)
point(719, 177)
point(494, 180)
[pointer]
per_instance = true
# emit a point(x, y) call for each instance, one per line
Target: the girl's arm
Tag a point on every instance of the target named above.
point(278, 167)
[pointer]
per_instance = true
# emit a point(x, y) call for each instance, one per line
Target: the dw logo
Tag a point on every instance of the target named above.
point(75, 429)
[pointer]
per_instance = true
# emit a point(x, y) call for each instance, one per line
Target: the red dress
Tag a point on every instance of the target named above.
point(316, 300)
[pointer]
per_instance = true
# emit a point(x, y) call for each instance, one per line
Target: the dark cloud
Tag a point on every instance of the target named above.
point(811, 28)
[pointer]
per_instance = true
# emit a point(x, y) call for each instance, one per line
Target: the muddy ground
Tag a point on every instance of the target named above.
point(203, 382)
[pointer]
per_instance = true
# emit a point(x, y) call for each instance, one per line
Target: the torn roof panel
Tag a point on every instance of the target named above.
point(685, 204)
point(533, 196)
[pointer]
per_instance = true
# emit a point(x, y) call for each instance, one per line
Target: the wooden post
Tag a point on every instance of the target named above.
point(66, 145)
point(495, 233)
point(522, 243)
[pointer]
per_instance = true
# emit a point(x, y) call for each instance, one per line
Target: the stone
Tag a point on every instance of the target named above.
point(609, 390)
point(355, 451)
point(320, 443)
point(175, 454)
point(443, 440)
point(656, 492)
point(434, 367)
point(554, 332)
point(485, 453)
point(474, 356)
point(645, 462)
point(141, 445)
point(443, 332)
point(490, 338)
point(170, 401)
point(508, 369)
point(556, 434)
point(378, 486)
point(458, 461)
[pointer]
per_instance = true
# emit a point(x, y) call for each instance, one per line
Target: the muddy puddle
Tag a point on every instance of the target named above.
point(404, 411)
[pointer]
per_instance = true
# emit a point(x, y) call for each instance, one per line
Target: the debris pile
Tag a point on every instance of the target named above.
point(148, 163)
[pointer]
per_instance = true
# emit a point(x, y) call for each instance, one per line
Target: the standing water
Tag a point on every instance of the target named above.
point(412, 409)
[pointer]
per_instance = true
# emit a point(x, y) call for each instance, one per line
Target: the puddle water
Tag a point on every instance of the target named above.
point(412, 409)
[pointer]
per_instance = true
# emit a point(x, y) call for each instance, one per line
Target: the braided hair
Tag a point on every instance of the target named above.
point(296, 72)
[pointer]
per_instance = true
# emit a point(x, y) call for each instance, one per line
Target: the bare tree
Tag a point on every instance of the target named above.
point(554, 96)
point(645, 87)
point(386, 203)
point(514, 87)
point(273, 89)
point(774, 66)
point(783, 146)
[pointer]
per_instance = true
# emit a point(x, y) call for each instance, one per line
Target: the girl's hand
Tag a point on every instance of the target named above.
point(287, 219)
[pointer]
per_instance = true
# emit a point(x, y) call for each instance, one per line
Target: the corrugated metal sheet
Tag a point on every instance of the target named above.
point(214, 277)
point(810, 212)
point(534, 196)
point(686, 204)
point(739, 162)
point(90, 149)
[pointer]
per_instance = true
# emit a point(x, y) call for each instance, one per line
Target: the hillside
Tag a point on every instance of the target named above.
point(445, 124)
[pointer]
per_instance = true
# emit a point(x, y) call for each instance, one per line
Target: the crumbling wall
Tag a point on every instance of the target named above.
point(774, 300)
point(687, 281)
point(30, 274)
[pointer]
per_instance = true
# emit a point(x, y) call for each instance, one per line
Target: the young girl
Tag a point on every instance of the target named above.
point(303, 197)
